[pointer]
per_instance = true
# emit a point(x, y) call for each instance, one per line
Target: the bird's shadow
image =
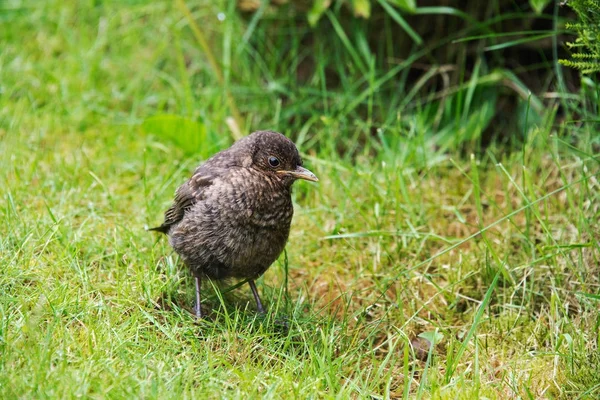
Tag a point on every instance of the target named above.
point(225, 306)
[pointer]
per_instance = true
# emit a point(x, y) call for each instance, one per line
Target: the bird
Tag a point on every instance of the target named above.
point(231, 218)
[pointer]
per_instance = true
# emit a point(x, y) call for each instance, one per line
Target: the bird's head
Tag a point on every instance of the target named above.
point(277, 156)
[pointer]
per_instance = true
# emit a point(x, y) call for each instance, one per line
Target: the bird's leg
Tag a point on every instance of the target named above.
point(197, 308)
point(259, 305)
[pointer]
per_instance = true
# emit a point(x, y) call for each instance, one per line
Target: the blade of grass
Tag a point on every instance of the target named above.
point(401, 21)
point(213, 63)
point(453, 363)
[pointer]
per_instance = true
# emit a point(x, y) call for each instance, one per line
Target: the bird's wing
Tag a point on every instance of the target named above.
point(186, 196)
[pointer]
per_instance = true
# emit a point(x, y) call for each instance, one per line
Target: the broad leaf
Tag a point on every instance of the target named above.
point(361, 8)
point(538, 5)
point(317, 10)
point(406, 5)
point(187, 134)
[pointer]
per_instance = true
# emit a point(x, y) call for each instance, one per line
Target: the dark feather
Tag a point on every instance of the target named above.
point(186, 196)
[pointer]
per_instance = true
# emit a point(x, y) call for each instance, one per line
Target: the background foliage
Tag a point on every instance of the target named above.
point(587, 45)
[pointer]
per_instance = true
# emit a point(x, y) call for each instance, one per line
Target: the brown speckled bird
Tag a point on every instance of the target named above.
point(232, 218)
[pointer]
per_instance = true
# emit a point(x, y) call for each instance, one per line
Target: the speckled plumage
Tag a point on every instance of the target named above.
point(232, 218)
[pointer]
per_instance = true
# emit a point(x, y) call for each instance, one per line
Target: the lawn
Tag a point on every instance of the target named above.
point(423, 264)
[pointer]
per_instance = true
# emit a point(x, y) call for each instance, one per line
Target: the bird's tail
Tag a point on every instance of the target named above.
point(163, 229)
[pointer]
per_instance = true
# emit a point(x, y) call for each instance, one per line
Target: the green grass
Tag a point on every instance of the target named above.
point(406, 238)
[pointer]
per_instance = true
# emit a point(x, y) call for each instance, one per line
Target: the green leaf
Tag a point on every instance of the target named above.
point(317, 10)
point(451, 367)
point(538, 5)
point(187, 134)
point(406, 5)
point(386, 4)
point(590, 295)
point(361, 8)
point(434, 337)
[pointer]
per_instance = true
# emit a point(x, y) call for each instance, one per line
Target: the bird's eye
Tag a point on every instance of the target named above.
point(274, 161)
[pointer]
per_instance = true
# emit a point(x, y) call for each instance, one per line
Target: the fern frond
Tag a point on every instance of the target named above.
point(587, 29)
point(584, 56)
point(584, 66)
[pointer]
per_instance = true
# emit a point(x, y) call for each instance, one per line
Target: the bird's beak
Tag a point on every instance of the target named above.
point(301, 173)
